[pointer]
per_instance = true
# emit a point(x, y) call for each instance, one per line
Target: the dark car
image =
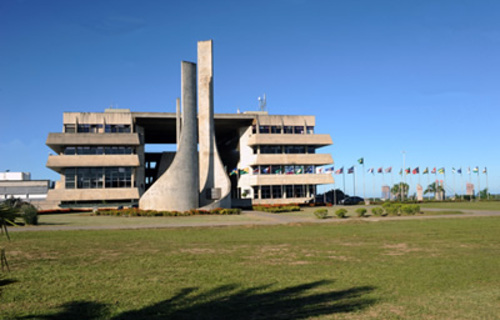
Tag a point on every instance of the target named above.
point(352, 200)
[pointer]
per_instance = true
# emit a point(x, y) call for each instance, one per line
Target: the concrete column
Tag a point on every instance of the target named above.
point(212, 173)
point(178, 188)
point(178, 122)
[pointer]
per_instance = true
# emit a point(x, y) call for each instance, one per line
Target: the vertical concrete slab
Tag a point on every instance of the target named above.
point(178, 188)
point(177, 122)
point(215, 186)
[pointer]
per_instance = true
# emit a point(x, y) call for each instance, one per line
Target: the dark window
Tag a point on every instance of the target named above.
point(265, 192)
point(289, 191)
point(309, 169)
point(69, 175)
point(263, 129)
point(256, 192)
point(299, 169)
point(311, 149)
point(118, 177)
point(265, 169)
point(312, 190)
point(276, 170)
point(295, 149)
point(289, 170)
point(270, 149)
point(299, 191)
point(310, 129)
point(70, 151)
point(298, 130)
point(277, 193)
point(275, 129)
point(288, 129)
point(254, 129)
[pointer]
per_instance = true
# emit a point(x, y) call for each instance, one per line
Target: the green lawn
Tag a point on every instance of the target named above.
point(413, 269)
point(475, 205)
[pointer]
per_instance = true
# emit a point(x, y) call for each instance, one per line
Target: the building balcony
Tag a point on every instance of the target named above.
point(57, 163)
point(319, 140)
point(92, 194)
point(317, 159)
point(284, 179)
point(56, 141)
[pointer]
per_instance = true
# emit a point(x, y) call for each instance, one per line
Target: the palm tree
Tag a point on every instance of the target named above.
point(434, 188)
point(400, 188)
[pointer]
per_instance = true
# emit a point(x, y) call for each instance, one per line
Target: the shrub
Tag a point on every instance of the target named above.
point(410, 209)
point(341, 213)
point(321, 213)
point(378, 211)
point(361, 212)
point(29, 214)
point(392, 209)
point(276, 208)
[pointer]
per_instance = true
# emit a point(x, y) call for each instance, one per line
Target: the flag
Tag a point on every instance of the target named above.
point(370, 170)
point(468, 170)
point(426, 171)
point(340, 171)
point(256, 170)
point(278, 171)
point(309, 169)
point(329, 169)
point(485, 171)
point(475, 170)
point(299, 170)
point(388, 170)
point(289, 170)
point(234, 171)
point(401, 172)
point(244, 171)
point(380, 170)
point(319, 170)
point(361, 160)
point(441, 171)
point(416, 170)
point(434, 170)
point(459, 171)
point(408, 170)
point(351, 169)
point(266, 170)
point(453, 170)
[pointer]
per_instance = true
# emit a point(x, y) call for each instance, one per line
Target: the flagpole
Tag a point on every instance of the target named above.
point(354, 181)
point(478, 184)
point(404, 177)
point(462, 183)
point(453, 183)
point(392, 184)
point(364, 195)
point(334, 193)
point(343, 176)
point(487, 188)
point(373, 174)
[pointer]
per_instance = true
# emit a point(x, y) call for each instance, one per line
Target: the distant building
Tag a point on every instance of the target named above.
point(20, 186)
point(386, 193)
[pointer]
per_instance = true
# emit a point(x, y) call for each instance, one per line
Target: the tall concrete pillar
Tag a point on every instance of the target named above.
point(215, 186)
point(178, 188)
point(177, 122)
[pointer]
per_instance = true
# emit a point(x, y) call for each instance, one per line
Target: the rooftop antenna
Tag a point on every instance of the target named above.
point(262, 103)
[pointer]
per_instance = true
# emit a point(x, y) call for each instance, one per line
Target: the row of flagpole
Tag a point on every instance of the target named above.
point(403, 173)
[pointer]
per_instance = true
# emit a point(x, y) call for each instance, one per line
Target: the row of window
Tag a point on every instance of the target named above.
point(279, 169)
point(97, 128)
point(269, 149)
point(283, 129)
point(98, 150)
point(284, 191)
point(98, 177)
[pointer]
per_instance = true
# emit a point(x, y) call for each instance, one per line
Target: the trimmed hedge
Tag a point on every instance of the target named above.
point(276, 208)
point(152, 213)
point(341, 213)
point(361, 212)
point(321, 213)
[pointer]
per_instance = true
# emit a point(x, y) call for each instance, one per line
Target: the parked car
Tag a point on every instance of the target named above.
point(351, 200)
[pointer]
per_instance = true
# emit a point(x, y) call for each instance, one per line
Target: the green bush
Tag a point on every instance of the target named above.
point(410, 209)
point(321, 213)
point(276, 208)
point(29, 214)
point(393, 209)
point(341, 213)
point(133, 212)
point(361, 212)
point(378, 211)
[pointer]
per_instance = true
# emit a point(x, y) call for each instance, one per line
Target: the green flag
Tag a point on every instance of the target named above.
point(361, 160)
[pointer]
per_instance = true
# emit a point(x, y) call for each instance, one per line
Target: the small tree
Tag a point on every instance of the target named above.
point(434, 188)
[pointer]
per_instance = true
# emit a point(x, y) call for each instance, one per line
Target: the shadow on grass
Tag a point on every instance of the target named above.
point(233, 302)
point(4, 282)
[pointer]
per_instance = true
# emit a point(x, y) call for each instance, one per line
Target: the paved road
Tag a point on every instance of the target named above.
point(260, 218)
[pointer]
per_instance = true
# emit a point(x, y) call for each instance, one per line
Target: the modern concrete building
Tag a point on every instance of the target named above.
point(221, 160)
point(20, 186)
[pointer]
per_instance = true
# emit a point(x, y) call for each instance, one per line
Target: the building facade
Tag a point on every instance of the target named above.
point(220, 160)
point(101, 157)
point(18, 185)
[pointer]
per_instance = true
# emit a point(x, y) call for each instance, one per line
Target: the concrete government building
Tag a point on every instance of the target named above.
point(221, 160)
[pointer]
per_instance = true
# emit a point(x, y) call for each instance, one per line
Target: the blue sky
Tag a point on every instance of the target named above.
point(380, 76)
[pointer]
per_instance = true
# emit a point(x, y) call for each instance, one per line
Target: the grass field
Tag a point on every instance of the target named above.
point(418, 269)
point(475, 205)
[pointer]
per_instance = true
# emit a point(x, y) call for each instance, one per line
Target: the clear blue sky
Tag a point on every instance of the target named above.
point(380, 76)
